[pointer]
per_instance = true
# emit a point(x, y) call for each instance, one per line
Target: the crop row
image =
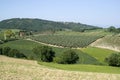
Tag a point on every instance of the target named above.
point(73, 41)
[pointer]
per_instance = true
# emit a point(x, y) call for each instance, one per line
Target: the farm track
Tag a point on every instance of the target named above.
point(44, 43)
point(19, 69)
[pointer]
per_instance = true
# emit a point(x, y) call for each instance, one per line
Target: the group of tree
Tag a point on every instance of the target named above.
point(113, 29)
point(46, 54)
point(7, 51)
point(68, 57)
point(113, 59)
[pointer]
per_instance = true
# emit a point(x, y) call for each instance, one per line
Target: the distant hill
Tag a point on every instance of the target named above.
point(41, 25)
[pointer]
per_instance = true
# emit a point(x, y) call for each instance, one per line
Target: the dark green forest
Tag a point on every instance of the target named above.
point(43, 25)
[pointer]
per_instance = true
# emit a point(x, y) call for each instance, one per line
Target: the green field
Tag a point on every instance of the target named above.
point(98, 53)
point(89, 55)
point(71, 38)
point(82, 67)
point(90, 58)
point(26, 47)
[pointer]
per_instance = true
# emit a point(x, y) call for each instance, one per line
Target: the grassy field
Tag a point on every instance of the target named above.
point(18, 69)
point(26, 47)
point(98, 53)
point(89, 55)
point(82, 67)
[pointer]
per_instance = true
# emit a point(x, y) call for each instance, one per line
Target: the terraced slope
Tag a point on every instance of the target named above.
point(18, 69)
point(73, 41)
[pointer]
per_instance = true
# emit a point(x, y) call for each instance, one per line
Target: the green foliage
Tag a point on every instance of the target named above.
point(98, 53)
point(8, 34)
point(45, 53)
point(82, 67)
point(26, 47)
point(6, 50)
point(42, 25)
point(1, 52)
point(113, 59)
point(15, 53)
point(113, 29)
point(74, 41)
point(68, 57)
point(11, 52)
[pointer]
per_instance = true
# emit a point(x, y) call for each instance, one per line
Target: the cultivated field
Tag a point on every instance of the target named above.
point(18, 69)
point(73, 41)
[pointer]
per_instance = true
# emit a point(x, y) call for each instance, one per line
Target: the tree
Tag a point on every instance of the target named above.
point(8, 34)
point(68, 57)
point(118, 30)
point(1, 51)
point(113, 59)
point(16, 53)
point(111, 29)
point(44, 53)
point(6, 50)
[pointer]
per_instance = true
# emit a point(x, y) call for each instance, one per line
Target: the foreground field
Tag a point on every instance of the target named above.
point(83, 67)
point(18, 69)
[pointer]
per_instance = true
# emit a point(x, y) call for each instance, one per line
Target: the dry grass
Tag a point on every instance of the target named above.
point(18, 69)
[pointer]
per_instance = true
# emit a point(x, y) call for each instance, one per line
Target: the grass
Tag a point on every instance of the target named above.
point(26, 47)
point(82, 67)
point(19, 69)
point(98, 53)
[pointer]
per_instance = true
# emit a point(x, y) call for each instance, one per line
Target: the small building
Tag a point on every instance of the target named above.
point(22, 33)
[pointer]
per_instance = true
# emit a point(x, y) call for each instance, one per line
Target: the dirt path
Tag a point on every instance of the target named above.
point(19, 69)
point(45, 43)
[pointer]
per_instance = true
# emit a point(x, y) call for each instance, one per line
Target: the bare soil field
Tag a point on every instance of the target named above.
point(20, 69)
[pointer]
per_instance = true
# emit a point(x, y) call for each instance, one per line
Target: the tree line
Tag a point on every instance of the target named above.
point(46, 54)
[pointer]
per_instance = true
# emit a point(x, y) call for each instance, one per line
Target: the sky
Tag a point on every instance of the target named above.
point(103, 13)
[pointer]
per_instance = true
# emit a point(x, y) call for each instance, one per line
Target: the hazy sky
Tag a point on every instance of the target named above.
point(94, 12)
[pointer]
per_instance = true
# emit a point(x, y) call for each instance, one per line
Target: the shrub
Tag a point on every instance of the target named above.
point(15, 53)
point(44, 53)
point(5, 50)
point(0, 50)
point(113, 59)
point(68, 57)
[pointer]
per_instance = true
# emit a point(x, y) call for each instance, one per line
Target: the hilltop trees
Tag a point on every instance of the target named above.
point(113, 29)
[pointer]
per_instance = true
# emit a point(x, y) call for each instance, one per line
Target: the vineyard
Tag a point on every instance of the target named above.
point(72, 41)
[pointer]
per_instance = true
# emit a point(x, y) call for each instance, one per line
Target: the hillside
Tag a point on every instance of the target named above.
point(18, 69)
point(42, 25)
point(26, 47)
point(111, 42)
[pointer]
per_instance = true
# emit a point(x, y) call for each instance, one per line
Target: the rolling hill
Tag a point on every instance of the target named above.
point(42, 25)
point(111, 42)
